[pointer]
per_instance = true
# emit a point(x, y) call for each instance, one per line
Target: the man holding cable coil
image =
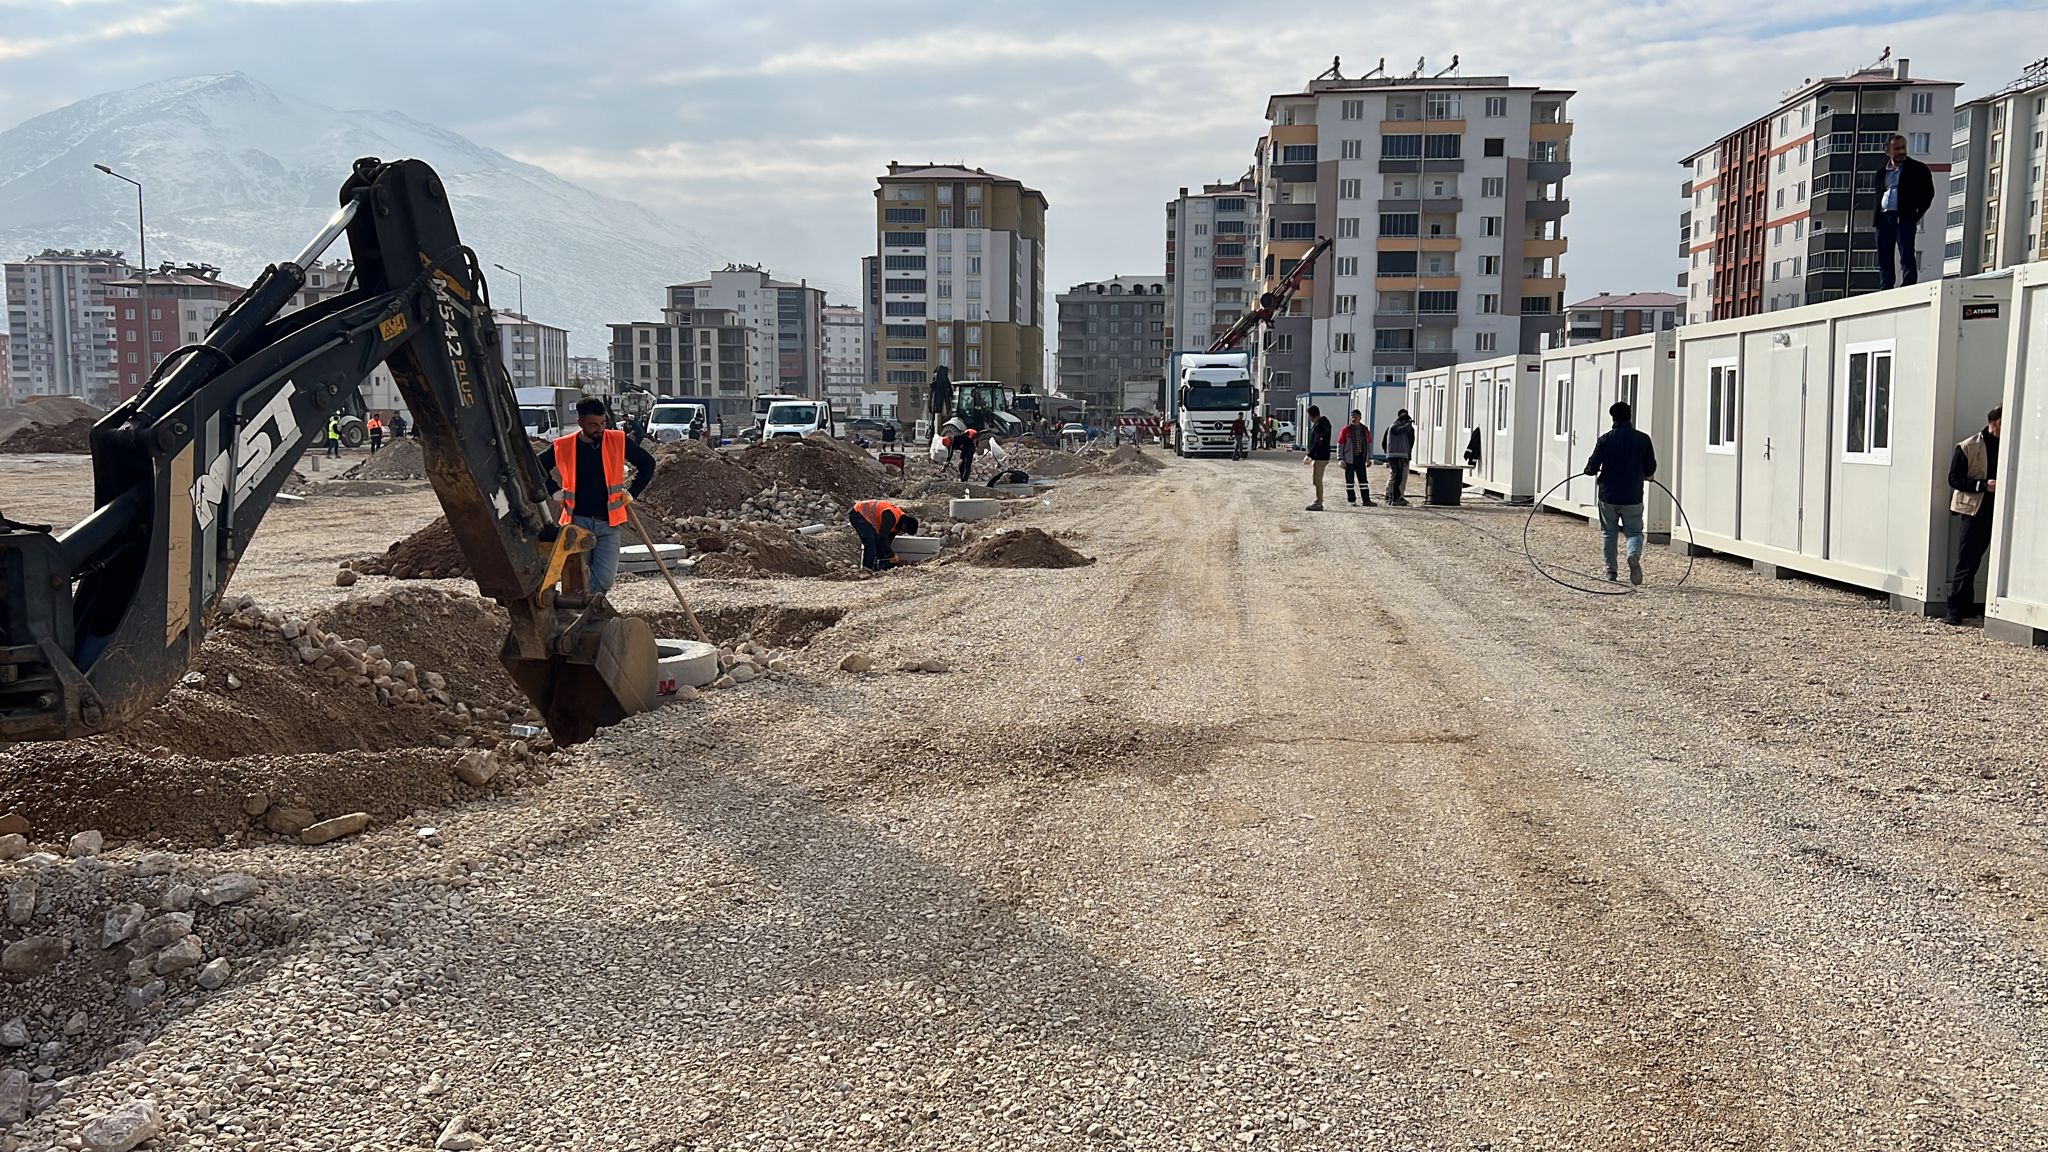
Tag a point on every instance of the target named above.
point(1622, 459)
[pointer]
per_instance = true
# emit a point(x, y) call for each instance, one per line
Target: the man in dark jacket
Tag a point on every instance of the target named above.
point(1622, 459)
point(1318, 457)
point(1905, 189)
point(1398, 443)
point(1973, 481)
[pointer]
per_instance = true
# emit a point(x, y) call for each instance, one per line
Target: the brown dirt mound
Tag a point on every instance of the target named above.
point(397, 460)
point(457, 636)
point(693, 480)
point(820, 465)
point(428, 554)
point(44, 412)
point(71, 436)
point(779, 625)
point(753, 552)
point(1129, 460)
point(1024, 548)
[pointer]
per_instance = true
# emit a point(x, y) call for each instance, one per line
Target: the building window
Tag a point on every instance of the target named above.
point(1297, 154)
point(1867, 428)
point(1346, 304)
point(1398, 224)
point(1495, 146)
point(1489, 265)
point(1347, 227)
point(973, 217)
point(1347, 189)
point(1354, 109)
point(902, 240)
point(1403, 147)
point(903, 215)
point(1722, 386)
point(1492, 187)
point(1443, 147)
point(1436, 303)
point(1393, 340)
point(1923, 103)
point(903, 308)
point(1484, 342)
point(1352, 150)
point(1489, 303)
point(1920, 143)
point(945, 216)
point(1342, 342)
point(1490, 225)
point(1781, 161)
point(1496, 106)
point(1443, 106)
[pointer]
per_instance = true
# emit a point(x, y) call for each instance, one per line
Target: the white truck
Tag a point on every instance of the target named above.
point(1211, 392)
point(795, 419)
point(543, 410)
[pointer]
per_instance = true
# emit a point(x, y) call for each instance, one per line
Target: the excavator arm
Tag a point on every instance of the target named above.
point(97, 622)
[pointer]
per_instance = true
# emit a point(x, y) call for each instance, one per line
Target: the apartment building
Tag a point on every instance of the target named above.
point(871, 301)
point(535, 354)
point(60, 325)
point(1997, 202)
point(1212, 257)
point(1444, 198)
point(1113, 341)
point(961, 257)
point(846, 359)
point(689, 352)
point(785, 322)
point(1779, 211)
point(184, 300)
point(1609, 316)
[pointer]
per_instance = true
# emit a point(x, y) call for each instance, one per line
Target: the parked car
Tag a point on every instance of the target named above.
point(1285, 433)
point(865, 427)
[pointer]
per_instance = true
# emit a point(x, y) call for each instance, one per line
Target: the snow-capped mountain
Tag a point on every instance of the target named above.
point(239, 175)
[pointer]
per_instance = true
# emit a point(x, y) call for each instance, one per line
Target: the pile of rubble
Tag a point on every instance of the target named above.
point(428, 554)
point(1022, 548)
point(70, 437)
point(400, 459)
point(47, 424)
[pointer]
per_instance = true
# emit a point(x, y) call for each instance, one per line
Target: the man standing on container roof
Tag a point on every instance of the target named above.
point(1973, 476)
point(1622, 459)
point(1905, 190)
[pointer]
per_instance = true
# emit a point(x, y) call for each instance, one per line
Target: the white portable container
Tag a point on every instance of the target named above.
point(1816, 440)
point(1580, 383)
point(1505, 398)
point(1429, 406)
point(2016, 600)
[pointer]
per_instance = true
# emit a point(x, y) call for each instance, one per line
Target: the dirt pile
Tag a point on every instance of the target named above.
point(457, 636)
point(45, 412)
point(279, 723)
point(71, 436)
point(741, 551)
point(397, 460)
point(693, 480)
point(1128, 460)
point(1022, 548)
point(428, 554)
point(820, 465)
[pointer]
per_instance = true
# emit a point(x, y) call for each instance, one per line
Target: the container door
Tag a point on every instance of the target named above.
point(1589, 420)
point(1556, 441)
point(1787, 444)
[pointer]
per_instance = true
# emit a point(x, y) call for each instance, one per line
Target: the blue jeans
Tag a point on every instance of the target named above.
point(604, 553)
point(1898, 237)
point(1626, 519)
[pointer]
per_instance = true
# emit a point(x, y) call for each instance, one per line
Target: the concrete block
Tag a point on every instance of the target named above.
point(683, 663)
point(917, 549)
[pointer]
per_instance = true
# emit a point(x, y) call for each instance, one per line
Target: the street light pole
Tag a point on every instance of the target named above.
point(522, 288)
point(142, 255)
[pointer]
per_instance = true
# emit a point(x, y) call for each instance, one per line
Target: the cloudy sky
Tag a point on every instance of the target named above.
point(762, 125)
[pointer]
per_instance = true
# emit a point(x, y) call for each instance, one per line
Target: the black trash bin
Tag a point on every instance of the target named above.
point(1443, 485)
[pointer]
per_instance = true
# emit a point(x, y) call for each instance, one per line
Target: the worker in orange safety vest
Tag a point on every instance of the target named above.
point(590, 464)
point(878, 523)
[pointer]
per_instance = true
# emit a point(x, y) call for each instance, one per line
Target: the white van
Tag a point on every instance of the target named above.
point(668, 423)
point(797, 419)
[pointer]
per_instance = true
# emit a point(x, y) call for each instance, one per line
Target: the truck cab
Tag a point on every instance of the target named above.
point(1212, 391)
point(669, 421)
point(795, 419)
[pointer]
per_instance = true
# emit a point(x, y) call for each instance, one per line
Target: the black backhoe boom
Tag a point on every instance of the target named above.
point(97, 622)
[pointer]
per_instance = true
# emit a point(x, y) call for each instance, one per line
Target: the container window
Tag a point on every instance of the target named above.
point(1561, 419)
point(1722, 404)
point(1630, 388)
point(1867, 423)
point(1500, 408)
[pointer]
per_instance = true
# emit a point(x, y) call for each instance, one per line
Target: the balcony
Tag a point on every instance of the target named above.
point(1542, 285)
point(1846, 120)
point(1418, 244)
point(1546, 210)
point(1551, 130)
point(1538, 249)
point(1548, 171)
point(1424, 127)
point(1432, 164)
point(1449, 204)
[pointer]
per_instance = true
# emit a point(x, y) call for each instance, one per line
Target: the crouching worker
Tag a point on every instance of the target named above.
point(878, 523)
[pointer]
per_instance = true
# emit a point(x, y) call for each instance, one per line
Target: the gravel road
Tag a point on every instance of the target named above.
point(1269, 829)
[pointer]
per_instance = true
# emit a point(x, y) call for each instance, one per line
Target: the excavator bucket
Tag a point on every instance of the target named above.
point(607, 674)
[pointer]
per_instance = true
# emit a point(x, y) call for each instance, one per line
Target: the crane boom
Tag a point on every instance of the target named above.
point(1273, 302)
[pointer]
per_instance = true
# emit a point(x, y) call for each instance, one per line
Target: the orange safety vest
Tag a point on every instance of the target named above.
point(613, 447)
point(375, 423)
point(872, 510)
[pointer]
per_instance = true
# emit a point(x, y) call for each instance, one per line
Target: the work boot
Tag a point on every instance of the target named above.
point(1611, 577)
point(1317, 507)
point(1635, 570)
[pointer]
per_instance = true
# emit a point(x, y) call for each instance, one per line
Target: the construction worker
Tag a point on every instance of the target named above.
point(965, 443)
point(1237, 435)
point(590, 464)
point(376, 434)
point(334, 437)
point(878, 523)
